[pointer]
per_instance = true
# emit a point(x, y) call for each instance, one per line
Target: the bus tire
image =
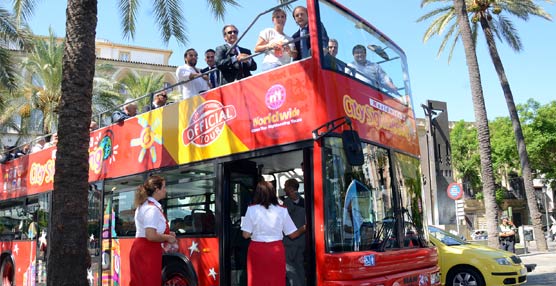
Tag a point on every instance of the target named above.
point(178, 274)
point(7, 272)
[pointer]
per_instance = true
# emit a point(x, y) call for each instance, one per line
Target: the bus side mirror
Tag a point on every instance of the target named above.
point(352, 147)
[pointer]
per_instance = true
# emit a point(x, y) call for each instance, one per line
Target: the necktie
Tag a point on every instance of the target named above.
point(303, 43)
point(212, 79)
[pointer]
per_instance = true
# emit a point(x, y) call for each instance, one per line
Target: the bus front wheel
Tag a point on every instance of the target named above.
point(178, 274)
point(7, 271)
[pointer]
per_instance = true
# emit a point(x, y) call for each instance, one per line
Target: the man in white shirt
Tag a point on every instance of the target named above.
point(195, 82)
point(368, 71)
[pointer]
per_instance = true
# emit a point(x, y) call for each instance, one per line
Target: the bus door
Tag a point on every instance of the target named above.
point(94, 224)
point(240, 179)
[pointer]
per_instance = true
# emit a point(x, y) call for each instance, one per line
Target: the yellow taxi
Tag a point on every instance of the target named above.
point(464, 263)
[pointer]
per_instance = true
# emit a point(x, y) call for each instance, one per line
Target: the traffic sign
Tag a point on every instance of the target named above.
point(455, 191)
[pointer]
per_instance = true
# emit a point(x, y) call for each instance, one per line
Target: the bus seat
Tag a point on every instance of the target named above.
point(203, 221)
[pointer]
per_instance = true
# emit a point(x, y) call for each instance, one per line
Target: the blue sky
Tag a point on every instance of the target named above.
point(529, 72)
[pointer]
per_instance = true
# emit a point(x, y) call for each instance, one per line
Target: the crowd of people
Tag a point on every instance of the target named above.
point(230, 62)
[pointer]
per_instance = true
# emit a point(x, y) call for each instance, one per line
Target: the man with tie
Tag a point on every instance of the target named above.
point(214, 75)
point(303, 45)
point(234, 64)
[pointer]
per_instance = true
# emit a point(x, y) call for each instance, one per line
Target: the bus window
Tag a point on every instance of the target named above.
point(190, 204)
point(409, 183)
point(360, 214)
point(362, 53)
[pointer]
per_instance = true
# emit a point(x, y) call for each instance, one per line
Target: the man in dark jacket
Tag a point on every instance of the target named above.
point(234, 64)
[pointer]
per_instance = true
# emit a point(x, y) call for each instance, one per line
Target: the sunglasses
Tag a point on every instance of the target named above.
point(232, 32)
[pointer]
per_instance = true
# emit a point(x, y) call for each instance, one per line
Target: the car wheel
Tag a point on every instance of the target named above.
point(465, 276)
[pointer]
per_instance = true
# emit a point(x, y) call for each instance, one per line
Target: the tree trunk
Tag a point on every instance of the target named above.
point(483, 133)
point(535, 214)
point(68, 256)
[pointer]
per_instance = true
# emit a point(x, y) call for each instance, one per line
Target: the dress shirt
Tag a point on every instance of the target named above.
point(149, 215)
point(192, 87)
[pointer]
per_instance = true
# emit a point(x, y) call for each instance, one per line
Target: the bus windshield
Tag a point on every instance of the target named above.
point(362, 53)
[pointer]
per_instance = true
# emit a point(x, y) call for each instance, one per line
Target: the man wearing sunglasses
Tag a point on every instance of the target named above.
point(234, 64)
point(159, 99)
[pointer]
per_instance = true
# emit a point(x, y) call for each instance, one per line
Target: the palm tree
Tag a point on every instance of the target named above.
point(483, 133)
point(482, 12)
point(69, 257)
point(35, 103)
point(14, 34)
point(139, 86)
point(522, 9)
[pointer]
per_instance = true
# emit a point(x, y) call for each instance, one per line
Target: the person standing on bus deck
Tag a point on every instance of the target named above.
point(303, 46)
point(233, 64)
point(266, 222)
point(195, 81)
point(152, 229)
point(506, 234)
point(368, 71)
point(159, 99)
point(273, 41)
point(214, 75)
point(295, 248)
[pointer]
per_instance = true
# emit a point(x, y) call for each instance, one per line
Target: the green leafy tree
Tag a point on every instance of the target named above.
point(481, 13)
point(465, 154)
point(504, 152)
point(69, 257)
point(542, 139)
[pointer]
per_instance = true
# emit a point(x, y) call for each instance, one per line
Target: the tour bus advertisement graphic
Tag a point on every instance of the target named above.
point(209, 127)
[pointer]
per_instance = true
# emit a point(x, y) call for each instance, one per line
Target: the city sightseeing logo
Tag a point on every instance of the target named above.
point(207, 122)
point(275, 96)
point(274, 99)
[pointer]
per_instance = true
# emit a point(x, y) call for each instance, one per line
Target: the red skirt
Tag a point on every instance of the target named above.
point(145, 262)
point(266, 264)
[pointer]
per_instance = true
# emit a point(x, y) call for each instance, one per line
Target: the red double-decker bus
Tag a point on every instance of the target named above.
point(341, 124)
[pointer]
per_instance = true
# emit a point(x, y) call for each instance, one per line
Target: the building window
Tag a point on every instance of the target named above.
point(124, 56)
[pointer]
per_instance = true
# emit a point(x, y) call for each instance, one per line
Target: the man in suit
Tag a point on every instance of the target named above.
point(214, 76)
point(303, 46)
point(233, 64)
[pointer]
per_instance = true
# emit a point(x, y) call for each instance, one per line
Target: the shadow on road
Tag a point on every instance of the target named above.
point(541, 279)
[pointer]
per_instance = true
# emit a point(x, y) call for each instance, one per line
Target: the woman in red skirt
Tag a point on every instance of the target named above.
point(145, 258)
point(266, 222)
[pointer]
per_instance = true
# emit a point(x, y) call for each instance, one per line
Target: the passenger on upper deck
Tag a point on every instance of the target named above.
point(273, 42)
point(331, 61)
point(196, 81)
point(368, 71)
point(93, 125)
point(214, 76)
point(233, 64)
point(159, 99)
point(129, 110)
point(303, 46)
point(53, 141)
point(39, 144)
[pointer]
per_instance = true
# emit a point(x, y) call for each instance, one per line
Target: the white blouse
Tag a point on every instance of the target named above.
point(149, 215)
point(267, 225)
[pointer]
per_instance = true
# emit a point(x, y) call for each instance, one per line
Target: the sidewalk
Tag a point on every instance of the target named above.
point(543, 260)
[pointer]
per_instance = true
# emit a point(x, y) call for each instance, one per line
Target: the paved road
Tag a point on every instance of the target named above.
point(545, 272)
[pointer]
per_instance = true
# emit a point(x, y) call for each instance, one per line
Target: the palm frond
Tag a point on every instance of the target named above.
point(128, 14)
